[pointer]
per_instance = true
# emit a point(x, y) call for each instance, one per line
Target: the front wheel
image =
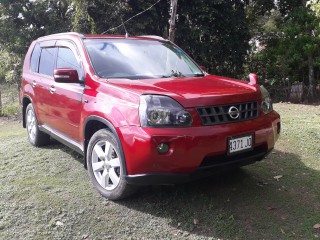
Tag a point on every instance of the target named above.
point(105, 166)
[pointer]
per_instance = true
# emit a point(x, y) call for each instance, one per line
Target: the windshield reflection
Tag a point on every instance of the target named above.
point(139, 59)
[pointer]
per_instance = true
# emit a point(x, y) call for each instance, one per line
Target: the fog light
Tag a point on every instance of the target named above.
point(163, 148)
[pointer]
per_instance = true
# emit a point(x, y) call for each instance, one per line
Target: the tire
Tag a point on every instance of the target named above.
point(105, 166)
point(35, 136)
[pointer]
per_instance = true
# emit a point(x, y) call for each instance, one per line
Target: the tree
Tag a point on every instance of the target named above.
point(290, 41)
point(215, 33)
point(112, 17)
point(23, 21)
point(172, 21)
point(301, 30)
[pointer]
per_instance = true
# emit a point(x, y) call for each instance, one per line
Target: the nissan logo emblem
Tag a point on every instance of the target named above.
point(234, 112)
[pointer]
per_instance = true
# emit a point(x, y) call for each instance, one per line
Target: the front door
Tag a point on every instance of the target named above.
point(63, 101)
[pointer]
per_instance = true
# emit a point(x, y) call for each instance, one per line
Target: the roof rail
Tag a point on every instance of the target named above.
point(65, 33)
point(154, 37)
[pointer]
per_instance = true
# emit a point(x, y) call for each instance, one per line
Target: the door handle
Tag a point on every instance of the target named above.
point(34, 84)
point(52, 90)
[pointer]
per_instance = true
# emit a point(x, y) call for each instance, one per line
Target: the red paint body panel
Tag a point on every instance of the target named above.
point(189, 146)
point(193, 92)
point(67, 109)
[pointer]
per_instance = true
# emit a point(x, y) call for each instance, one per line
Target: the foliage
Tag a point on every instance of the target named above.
point(257, 13)
point(289, 46)
point(283, 35)
point(82, 20)
point(218, 42)
point(215, 33)
point(314, 6)
point(107, 16)
point(10, 110)
point(9, 100)
point(9, 66)
point(287, 6)
point(23, 21)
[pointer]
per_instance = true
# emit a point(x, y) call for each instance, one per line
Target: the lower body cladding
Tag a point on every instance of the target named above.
point(177, 155)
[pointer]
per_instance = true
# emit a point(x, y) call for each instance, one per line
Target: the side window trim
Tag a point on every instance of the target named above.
point(56, 44)
point(67, 59)
point(40, 45)
point(36, 66)
point(72, 46)
point(50, 43)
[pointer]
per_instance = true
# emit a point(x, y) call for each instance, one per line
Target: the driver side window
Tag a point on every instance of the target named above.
point(67, 59)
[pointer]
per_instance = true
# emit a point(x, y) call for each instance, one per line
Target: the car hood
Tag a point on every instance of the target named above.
point(195, 91)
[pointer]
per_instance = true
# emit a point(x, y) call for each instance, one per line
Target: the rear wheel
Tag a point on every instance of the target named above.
point(36, 137)
point(105, 166)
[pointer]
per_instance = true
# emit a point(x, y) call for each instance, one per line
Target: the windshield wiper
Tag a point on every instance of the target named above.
point(173, 74)
point(198, 75)
point(176, 74)
point(179, 74)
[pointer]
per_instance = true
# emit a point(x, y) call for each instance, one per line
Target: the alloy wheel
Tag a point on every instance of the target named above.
point(106, 165)
point(31, 125)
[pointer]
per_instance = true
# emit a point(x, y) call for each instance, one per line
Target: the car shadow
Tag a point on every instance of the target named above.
point(273, 199)
point(56, 145)
point(248, 202)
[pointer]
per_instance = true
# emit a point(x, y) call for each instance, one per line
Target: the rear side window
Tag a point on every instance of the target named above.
point(47, 61)
point(34, 62)
point(66, 59)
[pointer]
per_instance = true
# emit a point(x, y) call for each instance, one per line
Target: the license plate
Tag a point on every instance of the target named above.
point(240, 144)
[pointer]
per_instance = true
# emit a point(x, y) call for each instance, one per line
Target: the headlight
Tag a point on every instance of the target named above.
point(266, 103)
point(162, 111)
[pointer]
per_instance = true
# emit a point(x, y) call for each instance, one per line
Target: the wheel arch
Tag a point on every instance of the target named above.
point(26, 100)
point(94, 124)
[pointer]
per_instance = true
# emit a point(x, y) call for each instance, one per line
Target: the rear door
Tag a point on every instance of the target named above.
point(45, 80)
point(33, 79)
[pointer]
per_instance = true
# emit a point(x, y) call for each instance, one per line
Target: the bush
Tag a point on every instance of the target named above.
point(10, 110)
point(9, 100)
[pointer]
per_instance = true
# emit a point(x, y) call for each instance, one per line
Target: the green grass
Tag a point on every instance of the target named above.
point(9, 100)
point(10, 110)
point(40, 186)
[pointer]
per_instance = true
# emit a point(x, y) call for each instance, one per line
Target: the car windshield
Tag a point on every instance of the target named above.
point(139, 59)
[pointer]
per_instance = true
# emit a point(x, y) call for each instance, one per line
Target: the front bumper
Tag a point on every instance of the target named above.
point(203, 171)
point(194, 151)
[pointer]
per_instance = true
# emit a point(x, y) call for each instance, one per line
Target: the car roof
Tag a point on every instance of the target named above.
point(66, 35)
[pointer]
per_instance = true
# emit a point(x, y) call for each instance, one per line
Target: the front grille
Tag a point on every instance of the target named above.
point(214, 115)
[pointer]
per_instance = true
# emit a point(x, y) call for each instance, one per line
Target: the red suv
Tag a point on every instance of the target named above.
point(141, 111)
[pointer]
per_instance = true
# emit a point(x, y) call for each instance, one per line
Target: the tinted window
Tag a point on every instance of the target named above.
point(34, 63)
point(66, 59)
point(46, 64)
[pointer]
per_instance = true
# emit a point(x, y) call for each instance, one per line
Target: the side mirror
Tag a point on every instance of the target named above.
point(252, 79)
point(66, 75)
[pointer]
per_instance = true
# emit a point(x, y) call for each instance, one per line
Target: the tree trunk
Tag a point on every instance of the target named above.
point(172, 21)
point(311, 77)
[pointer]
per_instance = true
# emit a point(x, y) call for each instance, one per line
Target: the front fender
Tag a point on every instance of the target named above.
point(111, 127)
